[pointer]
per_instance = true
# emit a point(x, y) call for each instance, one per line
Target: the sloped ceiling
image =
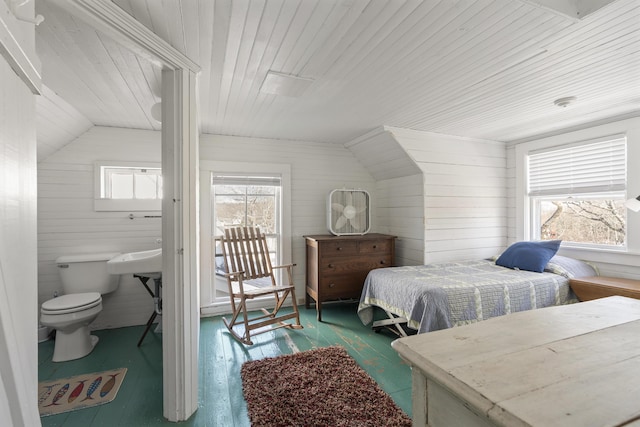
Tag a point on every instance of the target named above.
point(487, 69)
point(57, 123)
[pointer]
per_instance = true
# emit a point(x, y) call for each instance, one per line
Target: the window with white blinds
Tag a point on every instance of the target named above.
point(591, 167)
point(576, 193)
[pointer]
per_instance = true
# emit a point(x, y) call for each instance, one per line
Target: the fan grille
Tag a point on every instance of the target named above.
point(348, 212)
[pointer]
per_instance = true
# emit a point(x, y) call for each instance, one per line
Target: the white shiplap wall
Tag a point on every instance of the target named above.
point(465, 196)
point(68, 224)
point(316, 169)
point(400, 212)
point(57, 123)
point(18, 279)
point(400, 189)
point(381, 154)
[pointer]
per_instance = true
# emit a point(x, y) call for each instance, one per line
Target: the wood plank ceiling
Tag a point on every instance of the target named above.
point(487, 69)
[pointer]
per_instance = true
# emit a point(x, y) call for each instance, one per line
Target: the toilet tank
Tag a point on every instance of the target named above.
point(87, 273)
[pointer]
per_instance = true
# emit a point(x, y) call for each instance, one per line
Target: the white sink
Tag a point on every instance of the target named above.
point(144, 263)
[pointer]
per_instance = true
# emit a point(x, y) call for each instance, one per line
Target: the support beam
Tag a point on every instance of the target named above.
point(106, 17)
point(180, 245)
point(15, 49)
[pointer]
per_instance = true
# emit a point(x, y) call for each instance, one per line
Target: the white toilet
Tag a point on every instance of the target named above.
point(84, 279)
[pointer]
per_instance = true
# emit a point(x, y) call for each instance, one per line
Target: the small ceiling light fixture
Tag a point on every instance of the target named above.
point(565, 102)
point(285, 84)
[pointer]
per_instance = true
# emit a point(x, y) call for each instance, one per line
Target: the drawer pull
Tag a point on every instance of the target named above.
point(332, 285)
point(338, 248)
point(375, 246)
point(382, 262)
point(331, 265)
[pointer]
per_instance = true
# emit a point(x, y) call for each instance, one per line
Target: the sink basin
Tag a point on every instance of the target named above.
point(144, 263)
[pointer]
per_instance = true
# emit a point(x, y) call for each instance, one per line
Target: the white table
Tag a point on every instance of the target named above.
point(574, 365)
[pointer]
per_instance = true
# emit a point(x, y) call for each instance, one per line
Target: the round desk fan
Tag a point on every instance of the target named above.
point(348, 212)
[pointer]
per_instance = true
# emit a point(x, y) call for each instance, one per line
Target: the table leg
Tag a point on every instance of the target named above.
point(419, 398)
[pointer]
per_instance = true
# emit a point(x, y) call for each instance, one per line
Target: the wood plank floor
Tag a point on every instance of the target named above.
point(139, 401)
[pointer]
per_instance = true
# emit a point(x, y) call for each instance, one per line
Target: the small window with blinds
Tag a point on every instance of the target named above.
point(577, 193)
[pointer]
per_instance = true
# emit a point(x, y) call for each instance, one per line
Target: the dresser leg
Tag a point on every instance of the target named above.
point(319, 310)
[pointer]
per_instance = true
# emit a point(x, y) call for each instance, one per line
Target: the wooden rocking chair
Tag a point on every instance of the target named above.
point(246, 258)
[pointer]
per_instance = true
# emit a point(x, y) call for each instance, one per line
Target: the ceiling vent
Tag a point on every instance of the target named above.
point(574, 9)
point(285, 84)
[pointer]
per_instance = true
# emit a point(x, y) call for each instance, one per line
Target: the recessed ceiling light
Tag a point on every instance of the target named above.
point(565, 102)
point(285, 84)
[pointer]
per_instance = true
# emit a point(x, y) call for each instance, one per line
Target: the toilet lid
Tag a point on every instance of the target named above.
point(72, 302)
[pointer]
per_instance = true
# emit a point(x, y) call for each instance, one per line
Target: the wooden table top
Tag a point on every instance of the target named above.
point(573, 365)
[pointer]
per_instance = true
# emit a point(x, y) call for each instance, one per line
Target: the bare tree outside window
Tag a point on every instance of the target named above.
point(599, 221)
point(240, 205)
point(248, 205)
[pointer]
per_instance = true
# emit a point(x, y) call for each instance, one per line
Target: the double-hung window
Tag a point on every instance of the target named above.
point(247, 201)
point(577, 193)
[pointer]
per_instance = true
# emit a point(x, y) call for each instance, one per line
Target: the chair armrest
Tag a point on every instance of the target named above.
point(234, 274)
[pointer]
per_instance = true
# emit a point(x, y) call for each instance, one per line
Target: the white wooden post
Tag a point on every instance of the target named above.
point(180, 244)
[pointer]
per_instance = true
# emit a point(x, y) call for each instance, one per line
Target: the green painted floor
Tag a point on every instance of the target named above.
point(139, 401)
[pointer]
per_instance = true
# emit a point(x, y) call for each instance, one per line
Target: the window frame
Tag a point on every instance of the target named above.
point(610, 262)
point(208, 306)
point(102, 203)
point(604, 191)
point(247, 180)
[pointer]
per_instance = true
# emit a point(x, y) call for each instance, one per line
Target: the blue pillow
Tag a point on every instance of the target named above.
point(530, 256)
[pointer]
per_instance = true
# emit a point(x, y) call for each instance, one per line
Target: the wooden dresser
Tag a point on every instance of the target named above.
point(338, 265)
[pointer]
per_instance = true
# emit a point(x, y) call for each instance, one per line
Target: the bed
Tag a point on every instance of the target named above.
point(440, 296)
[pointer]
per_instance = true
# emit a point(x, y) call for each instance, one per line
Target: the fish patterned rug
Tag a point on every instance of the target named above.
point(81, 391)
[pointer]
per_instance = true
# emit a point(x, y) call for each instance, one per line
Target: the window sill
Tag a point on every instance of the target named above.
point(609, 256)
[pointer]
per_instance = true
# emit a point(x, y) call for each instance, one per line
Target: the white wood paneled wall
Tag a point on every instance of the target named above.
point(400, 190)
point(57, 122)
point(68, 224)
point(400, 211)
point(381, 154)
point(316, 169)
point(18, 279)
point(465, 196)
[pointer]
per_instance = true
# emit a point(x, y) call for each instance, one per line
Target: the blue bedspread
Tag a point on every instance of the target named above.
point(440, 296)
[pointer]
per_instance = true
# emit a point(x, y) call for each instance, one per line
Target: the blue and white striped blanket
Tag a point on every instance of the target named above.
point(440, 296)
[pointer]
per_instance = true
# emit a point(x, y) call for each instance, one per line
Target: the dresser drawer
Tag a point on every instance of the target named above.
point(336, 287)
point(374, 246)
point(338, 248)
point(341, 266)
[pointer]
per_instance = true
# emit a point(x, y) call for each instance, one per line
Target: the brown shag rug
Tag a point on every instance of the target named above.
point(322, 387)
